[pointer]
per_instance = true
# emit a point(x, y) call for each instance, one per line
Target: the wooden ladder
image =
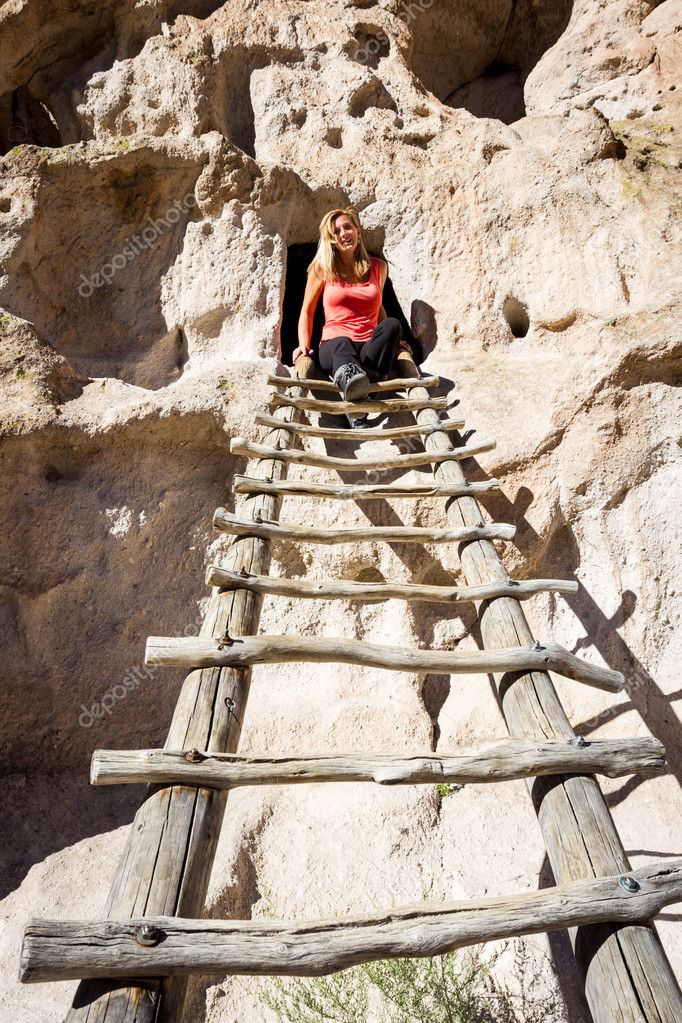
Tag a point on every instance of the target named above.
point(135, 961)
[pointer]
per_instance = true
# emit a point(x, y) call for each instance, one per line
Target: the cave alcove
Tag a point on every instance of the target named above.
point(478, 56)
point(26, 120)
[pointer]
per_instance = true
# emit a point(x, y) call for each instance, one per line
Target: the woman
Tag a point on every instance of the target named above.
point(359, 340)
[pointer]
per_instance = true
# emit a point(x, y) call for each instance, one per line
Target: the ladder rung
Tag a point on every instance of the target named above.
point(241, 446)
point(268, 530)
point(398, 384)
point(357, 491)
point(494, 760)
point(338, 408)
point(66, 950)
point(204, 652)
point(370, 433)
point(347, 589)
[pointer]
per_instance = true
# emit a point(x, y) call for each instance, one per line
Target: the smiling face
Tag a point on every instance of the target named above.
point(346, 235)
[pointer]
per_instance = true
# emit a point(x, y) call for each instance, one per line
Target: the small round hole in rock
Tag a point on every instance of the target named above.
point(516, 315)
point(334, 138)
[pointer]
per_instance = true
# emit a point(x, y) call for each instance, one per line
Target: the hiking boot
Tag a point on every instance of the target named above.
point(359, 422)
point(351, 381)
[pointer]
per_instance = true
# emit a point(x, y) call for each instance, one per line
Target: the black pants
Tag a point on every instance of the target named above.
point(375, 356)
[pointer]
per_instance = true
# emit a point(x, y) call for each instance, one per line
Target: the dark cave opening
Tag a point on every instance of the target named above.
point(478, 56)
point(26, 120)
point(498, 93)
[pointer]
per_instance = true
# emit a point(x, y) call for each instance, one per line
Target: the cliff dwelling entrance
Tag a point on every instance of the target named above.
point(298, 260)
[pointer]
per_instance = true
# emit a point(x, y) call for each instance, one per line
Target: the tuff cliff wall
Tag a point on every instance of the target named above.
point(518, 164)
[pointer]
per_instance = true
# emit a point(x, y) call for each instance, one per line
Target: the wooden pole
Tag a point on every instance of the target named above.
point(347, 589)
point(234, 651)
point(628, 977)
point(169, 853)
point(398, 384)
point(61, 950)
point(273, 530)
point(493, 760)
point(337, 408)
point(240, 446)
point(370, 433)
point(356, 491)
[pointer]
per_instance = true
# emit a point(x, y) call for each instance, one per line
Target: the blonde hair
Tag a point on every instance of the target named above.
point(327, 257)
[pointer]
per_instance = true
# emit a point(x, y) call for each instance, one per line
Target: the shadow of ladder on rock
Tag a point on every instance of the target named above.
point(137, 959)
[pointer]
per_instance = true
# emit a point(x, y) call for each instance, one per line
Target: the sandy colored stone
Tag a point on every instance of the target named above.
point(519, 167)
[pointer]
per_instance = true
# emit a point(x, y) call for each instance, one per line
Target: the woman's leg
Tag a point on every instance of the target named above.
point(378, 354)
point(337, 352)
point(340, 358)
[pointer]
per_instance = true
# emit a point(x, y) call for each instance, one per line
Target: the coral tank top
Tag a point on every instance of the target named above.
point(352, 310)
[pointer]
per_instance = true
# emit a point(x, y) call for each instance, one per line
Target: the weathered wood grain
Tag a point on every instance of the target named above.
point(370, 433)
point(396, 384)
point(347, 589)
point(491, 761)
point(205, 652)
point(627, 974)
point(240, 446)
point(356, 491)
point(272, 530)
point(61, 950)
point(339, 408)
point(169, 852)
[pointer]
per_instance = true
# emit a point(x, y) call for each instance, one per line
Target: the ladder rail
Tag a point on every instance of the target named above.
point(170, 849)
point(626, 971)
point(164, 872)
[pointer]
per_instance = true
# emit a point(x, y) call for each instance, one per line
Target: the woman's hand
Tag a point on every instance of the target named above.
point(300, 351)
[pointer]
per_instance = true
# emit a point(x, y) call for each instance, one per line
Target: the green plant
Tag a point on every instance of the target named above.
point(457, 987)
point(453, 988)
point(444, 989)
point(342, 997)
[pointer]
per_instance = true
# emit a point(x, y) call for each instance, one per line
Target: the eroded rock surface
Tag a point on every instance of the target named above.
point(519, 167)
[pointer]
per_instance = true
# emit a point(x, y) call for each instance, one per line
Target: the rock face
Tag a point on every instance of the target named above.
point(518, 165)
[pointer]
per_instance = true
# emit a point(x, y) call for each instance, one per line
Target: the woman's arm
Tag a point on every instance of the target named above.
point(313, 290)
point(383, 274)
